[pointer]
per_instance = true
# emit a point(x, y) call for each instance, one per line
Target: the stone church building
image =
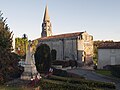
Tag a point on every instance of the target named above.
point(71, 46)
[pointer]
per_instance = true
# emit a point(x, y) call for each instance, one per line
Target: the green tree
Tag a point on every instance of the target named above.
point(5, 38)
point(8, 60)
point(43, 58)
point(34, 45)
point(21, 46)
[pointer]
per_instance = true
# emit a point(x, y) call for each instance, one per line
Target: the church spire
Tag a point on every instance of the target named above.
point(46, 25)
point(46, 16)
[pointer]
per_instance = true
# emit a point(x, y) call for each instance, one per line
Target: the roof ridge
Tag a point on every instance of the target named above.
point(66, 35)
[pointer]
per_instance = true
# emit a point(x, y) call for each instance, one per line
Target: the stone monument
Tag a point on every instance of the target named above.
point(30, 68)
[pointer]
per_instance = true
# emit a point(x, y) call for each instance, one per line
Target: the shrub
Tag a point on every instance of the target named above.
point(107, 67)
point(43, 58)
point(115, 70)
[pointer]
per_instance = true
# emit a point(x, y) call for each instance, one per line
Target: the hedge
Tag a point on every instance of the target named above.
point(58, 85)
point(89, 83)
point(115, 70)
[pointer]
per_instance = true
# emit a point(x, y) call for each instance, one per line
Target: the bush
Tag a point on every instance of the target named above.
point(115, 70)
point(95, 67)
point(107, 67)
point(9, 69)
point(43, 58)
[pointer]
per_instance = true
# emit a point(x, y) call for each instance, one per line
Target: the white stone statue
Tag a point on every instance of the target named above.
point(30, 68)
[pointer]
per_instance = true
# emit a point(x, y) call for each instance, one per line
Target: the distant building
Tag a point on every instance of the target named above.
point(108, 54)
point(71, 46)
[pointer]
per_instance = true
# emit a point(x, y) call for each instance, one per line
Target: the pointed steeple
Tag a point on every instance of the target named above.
point(46, 16)
point(46, 25)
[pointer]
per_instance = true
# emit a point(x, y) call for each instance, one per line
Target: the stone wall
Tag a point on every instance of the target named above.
point(73, 48)
point(85, 48)
point(66, 48)
point(70, 49)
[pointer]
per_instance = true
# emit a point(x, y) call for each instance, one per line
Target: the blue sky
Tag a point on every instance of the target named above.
point(100, 18)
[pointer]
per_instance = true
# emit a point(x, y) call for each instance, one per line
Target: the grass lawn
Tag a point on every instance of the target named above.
point(68, 83)
point(14, 88)
point(104, 72)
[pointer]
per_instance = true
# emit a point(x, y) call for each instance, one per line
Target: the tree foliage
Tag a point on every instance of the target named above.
point(5, 38)
point(34, 45)
point(8, 60)
point(43, 58)
point(20, 46)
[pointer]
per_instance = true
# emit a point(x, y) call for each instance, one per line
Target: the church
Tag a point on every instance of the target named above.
point(70, 46)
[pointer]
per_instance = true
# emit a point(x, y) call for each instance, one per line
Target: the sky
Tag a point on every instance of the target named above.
point(99, 18)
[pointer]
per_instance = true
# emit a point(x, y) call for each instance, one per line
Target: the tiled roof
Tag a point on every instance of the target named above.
point(109, 45)
point(68, 35)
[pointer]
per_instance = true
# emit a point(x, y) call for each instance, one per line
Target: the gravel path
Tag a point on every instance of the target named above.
point(91, 75)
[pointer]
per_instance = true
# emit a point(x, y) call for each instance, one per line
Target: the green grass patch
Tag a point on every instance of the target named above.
point(67, 83)
point(14, 88)
point(79, 81)
point(46, 84)
point(104, 72)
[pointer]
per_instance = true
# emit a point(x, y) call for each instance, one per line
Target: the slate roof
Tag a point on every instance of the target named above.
point(61, 36)
point(109, 45)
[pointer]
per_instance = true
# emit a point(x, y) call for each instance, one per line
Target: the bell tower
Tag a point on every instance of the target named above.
point(46, 25)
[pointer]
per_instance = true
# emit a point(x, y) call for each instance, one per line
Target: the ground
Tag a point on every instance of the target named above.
point(87, 73)
point(91, 75)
